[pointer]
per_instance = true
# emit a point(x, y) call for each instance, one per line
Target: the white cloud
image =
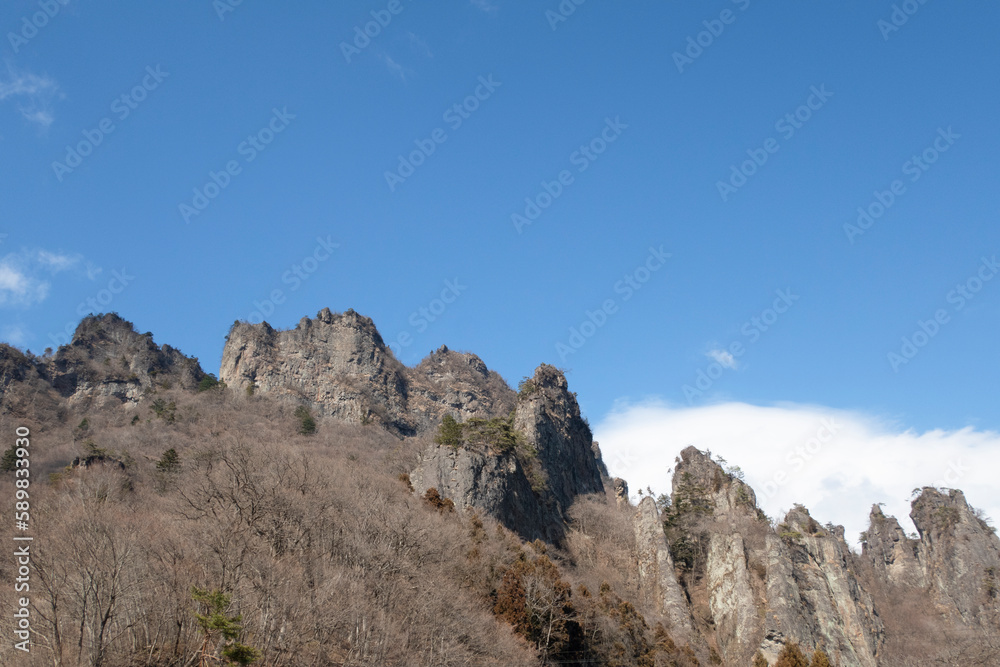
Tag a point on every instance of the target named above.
point(23, 276)
point(484, 5)
point(56, 261)
point(836, 463)
point(34, 95)
point(725, 359)
point(17, 288)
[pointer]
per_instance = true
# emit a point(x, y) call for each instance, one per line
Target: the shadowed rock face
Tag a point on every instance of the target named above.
point(548, 416)
point(556, 446)
point(492, 483)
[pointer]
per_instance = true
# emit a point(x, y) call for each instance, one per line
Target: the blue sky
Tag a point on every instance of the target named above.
point(308, 122)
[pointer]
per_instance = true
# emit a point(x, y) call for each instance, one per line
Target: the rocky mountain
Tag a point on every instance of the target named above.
point(106, 361)
point(700, 577)
point(530, 484)
point(338, 364)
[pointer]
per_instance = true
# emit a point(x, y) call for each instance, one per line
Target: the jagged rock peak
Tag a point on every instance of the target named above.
point(549, 416)
point(528, 486)
point(336, 362)
point(699, 479)
point(348, 319)
point(108, 357)
point(891, 551)
point(960, 552)
point(444, 362)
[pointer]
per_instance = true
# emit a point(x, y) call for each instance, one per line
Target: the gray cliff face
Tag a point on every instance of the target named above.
point(338, 364)
point(762, 590)
point(960, 556)
point(842, 619)
point(656, 570)
point(106, 362)
point(548, 416)
point(530, 487)
point(489, 482)
point(459, 384)
point(894, 556)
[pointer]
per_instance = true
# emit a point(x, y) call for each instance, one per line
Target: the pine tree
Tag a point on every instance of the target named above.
point(791, 656)
point(169, 462)
point(9, 461)
point(450, 433)
point(760, 661)
point(215, 623)
point(307, 425)
point(820, 659)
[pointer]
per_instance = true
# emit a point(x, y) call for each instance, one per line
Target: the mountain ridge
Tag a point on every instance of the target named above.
point(719, 576)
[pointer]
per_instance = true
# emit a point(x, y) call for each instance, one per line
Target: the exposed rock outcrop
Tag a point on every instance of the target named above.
point(109, 359)
point(456, 383)
point(338, 364)
point(106, 362)
point(656, 570)
point(762, 590)
point(530, 483)
point(548, 416)
point(960, 555)
point(491, 482)
point(894, 555)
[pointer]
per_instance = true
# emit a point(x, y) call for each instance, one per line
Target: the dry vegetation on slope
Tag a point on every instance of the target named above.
point(325, 553)
point(179, 521)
